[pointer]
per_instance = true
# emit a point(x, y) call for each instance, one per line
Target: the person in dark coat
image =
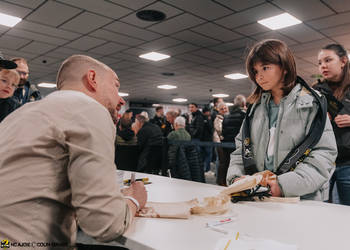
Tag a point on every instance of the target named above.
point(149, 139)
point(160, 120)
point(231, 126)
point(26, 92)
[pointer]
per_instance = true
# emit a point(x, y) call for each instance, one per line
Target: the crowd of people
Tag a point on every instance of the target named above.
point(57, 163)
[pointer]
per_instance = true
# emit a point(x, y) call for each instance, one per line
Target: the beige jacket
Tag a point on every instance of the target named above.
point(57, 169)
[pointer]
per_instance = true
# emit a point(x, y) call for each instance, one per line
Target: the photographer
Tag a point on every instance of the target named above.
point(334, 66)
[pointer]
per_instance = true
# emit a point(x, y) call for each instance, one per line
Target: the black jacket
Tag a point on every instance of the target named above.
point(31, 94)
point(149, 139)
point(163, 124)
point(7, 105)
point(232, 123)
point(187, 165)
point(342, 135)
point(197, 125)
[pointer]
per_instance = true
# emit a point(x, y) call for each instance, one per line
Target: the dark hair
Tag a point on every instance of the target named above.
point(128, 111)
point(216, 100)
point(206, 109)
point(194, 104)
point(125, 123)
point(271, 51)
point(159, 108)
point(340, 51)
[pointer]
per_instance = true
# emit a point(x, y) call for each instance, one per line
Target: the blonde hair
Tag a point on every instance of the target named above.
point(11, 73)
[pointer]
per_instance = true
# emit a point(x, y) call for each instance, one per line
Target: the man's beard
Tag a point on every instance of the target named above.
point(22, 82)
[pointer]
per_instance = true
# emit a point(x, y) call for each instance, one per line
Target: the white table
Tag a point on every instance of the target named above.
point(307, 224)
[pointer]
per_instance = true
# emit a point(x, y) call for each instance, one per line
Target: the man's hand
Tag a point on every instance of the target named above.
point(342, 121)
point(138, 191)
point(275, 188)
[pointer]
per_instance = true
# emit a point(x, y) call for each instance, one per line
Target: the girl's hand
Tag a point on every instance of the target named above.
point(342, 121)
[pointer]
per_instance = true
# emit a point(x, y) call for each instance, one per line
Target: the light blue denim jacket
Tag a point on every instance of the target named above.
point(310, 179)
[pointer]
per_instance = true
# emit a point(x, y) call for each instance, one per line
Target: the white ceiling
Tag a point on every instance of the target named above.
point(205, 38)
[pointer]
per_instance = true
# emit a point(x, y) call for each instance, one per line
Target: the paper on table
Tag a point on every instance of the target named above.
point(252, 244)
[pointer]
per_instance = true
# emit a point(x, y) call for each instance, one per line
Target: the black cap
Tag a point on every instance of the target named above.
point(6, 64)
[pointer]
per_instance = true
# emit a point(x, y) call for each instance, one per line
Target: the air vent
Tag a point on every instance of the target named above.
point(151, 15)
point(168, 74)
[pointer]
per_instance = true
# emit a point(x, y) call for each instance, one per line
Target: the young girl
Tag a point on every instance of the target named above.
point(334, 66)
point(280, 117)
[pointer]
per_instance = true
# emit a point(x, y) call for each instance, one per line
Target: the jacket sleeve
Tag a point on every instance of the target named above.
point(198, 126)
point(100, 207)
point(310, 175)
point(236, 167)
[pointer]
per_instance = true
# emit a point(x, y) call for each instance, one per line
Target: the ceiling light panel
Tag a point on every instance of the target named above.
point(154, 56)
point(280, 21)
point(236, 76)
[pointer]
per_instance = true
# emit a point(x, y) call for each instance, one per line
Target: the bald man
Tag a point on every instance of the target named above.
point(58, 170)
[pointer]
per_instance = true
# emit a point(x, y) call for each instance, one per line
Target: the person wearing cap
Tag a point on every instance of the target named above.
point(9, 79)
point(26, 92)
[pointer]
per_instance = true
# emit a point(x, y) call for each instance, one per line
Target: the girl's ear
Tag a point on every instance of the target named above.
point(343, 61)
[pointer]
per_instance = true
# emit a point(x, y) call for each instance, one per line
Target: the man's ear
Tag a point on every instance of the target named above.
point(91, 83)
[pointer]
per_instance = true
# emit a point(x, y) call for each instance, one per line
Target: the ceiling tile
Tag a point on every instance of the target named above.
point(216, 32)
point(343, 40)
point(67, 51)
point(301, 33)
point(90, 21)
point(115, 37)
point(304, 10)
point(208, 10)
point(252, 29)
point(179, 49)
point(331, 21)
point(108, 48)
point(9, 53)
point(37, 37)
point(32, 4)
point(176, 24)
point(38, 47)
point(239, 43)
point(103, 8)
point(108, 60)
point(47, 30)
point(132, 31)
point(11, 42)
point(195, 38)
point(14, 10)
point(159, 44)
point(85, 43)
point(310, 45)
point(210, 54)
point(133, 4)
point(249, 16)
point(53, 13)
point(337, 30)
point(338, 5)
point(193, 58)
point(238, 5)
point(275, 35)
point(168, 10)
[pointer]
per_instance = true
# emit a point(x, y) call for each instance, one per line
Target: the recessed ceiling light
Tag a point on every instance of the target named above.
point(155, 105)
point(8, 20)
point(123, 94)
point(236, 76)
point(280, 21)
point(154, 56)
point(221, 95)
point(229, 104)
point(47, 85)
point(179, 100)
point(166, 86)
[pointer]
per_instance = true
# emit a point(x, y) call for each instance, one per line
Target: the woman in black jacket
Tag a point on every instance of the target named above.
point(335, 68)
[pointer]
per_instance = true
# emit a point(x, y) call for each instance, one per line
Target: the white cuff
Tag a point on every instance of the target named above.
point(134, 201)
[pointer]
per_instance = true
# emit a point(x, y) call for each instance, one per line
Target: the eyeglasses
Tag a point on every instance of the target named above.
point(23, 73)
point(5, 82)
